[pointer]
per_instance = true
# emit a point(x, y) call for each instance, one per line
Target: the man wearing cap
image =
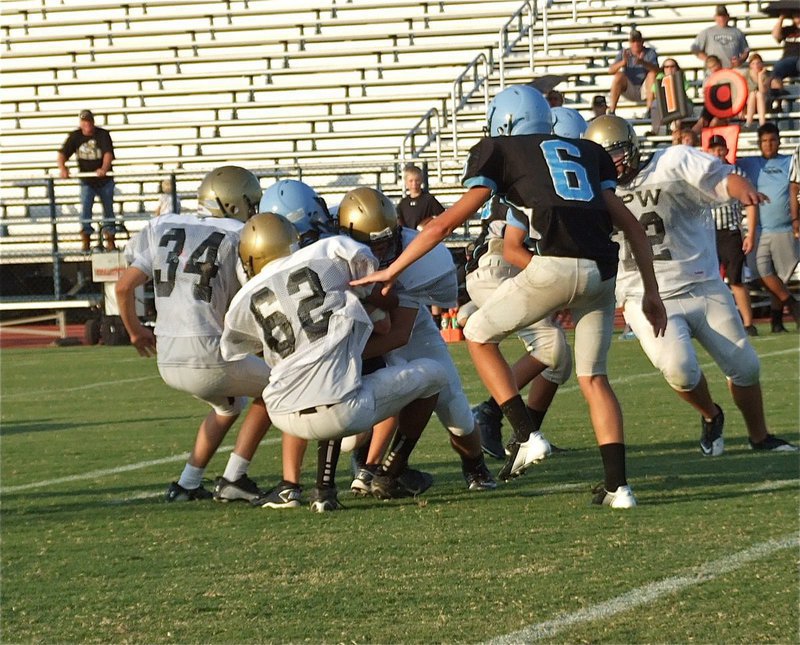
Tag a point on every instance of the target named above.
point(634, 71)
point(726, 42)
point(731, 246)
point(599, 106)
point(94, 151)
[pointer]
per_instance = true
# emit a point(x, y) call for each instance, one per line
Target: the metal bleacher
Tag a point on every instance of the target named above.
point(338, 94)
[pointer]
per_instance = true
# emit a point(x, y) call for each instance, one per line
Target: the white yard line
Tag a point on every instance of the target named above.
point(648, 593)
point(115, 471)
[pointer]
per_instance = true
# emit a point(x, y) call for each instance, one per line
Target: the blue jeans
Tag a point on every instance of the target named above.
point(106, 194)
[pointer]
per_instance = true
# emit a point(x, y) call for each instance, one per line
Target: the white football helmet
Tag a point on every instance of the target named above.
point(519, 109)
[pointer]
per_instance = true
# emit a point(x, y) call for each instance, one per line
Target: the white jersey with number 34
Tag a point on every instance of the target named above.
point(670, 198)
point(301, 312)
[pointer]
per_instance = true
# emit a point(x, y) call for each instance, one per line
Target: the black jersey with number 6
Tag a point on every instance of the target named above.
point(558, 183)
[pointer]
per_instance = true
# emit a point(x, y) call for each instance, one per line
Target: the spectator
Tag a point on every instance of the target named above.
point(757, 88)
point(713, 64)
point(599, 106)
point(418, 205)
point(723, 41)
point(95, 152)
point(668, 68)
point(555, 98)
point(685, 137)
point(731, 247)
point(789, 64)
point(165, 202)
point(777, 251)
point(634, 71)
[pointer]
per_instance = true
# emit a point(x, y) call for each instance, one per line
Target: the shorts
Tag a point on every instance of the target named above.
point(223, 386)
point(707, 313)
point(635, 93)
point(777, 254)
point(731, 256)
point(381, 395)
point(546, 285)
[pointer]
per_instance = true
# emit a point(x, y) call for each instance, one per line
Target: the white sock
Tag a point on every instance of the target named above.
point(237, 466)
point(191, 477)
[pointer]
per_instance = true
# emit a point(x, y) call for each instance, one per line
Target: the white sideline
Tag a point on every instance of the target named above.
point(648, 593)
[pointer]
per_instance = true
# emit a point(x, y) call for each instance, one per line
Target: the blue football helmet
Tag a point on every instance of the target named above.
point(301, 205)
point(568, 123)
point(519, 109)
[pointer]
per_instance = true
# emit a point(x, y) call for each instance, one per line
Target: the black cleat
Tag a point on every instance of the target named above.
point(324, 500)
point(771, 443)
point(243, 489)
point(490, 425)
point(751, 330)
point(284, 495)
point(177, 493)
point(479, 478)
point(711, 442)
point(409, 483)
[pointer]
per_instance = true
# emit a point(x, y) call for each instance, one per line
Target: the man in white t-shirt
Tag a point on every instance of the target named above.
point(670, 195)
point(193, 262)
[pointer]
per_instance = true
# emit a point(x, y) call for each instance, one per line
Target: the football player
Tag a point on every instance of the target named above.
point(569, 185)
point(670, 195)
point(367, 216)
point(548, 362)
point(193, 262)
point(299, 309)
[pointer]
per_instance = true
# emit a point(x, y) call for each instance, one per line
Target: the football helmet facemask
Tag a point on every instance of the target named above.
point(302, 206)
point(264, 238)
point(619, 139)
point(369, 217)
point(519, 109)
point(229, 191)
point(568, 123)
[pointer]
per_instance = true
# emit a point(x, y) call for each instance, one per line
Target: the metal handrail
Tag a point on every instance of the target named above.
point(459, 98)
point(433, 134)
point(505, 45)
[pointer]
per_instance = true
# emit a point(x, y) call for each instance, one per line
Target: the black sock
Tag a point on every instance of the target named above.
point(397, 459)
point(495, 407)
point(613, 455)
point(516, 412)
point(776, 316)
point(536, 416)
point(327, 459)
point(360, 454)
point(470, 464)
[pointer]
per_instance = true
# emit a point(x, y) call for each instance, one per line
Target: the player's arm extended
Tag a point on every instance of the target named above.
point(623, 219)
point(142, 338)
point(741, 189)
point(438, 229)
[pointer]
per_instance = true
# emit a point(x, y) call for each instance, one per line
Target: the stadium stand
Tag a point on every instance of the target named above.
point(336, 93)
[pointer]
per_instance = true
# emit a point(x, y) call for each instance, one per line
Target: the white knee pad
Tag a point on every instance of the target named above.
point(230, 407)
point(746, 370)
point(455, 413)
point(681, 372)
point(547, 344)
point(561, 369)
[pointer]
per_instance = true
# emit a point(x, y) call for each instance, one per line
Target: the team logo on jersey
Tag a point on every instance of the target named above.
point(644, 197)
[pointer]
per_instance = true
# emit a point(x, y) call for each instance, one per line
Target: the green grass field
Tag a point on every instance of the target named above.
point(90, 553)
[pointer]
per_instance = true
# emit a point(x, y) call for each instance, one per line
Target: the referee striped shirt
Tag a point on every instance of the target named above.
point(728, 216)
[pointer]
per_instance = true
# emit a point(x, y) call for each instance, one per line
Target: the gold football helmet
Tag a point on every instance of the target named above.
point(367, 215)
point(266, 237)
point(616, 135)
point(229, 191)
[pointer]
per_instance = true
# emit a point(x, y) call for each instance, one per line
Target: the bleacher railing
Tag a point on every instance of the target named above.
point(478, 70)
point(430, 126)
point(513, 31)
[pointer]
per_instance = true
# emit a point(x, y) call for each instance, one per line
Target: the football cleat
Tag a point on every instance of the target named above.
point(620, 498)
point(490, 425)
point(362, 483)
point(177, 493)
point(771, 443)
point(711, 442)
point(479, 478)
point(324, 500)
point(409, 483)
point(284, 495)
point(522, 455)
point(243, 489)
